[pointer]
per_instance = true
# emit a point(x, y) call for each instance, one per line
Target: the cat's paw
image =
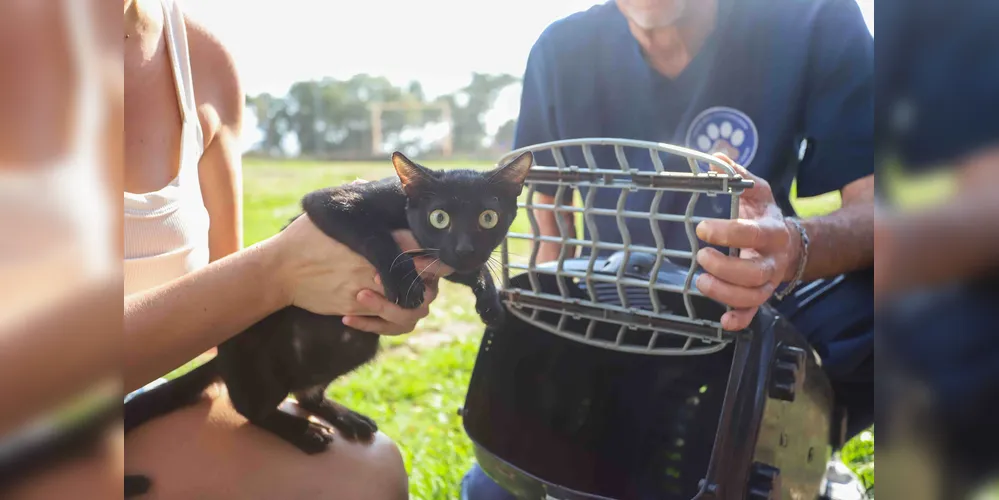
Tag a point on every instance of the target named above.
point(316, 439)
point(413, 297)
point(491, 312)
point(354, 426)
point(405, 285)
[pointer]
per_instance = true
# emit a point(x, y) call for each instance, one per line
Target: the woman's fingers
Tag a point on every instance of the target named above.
point(388, 318)
point(373, 324)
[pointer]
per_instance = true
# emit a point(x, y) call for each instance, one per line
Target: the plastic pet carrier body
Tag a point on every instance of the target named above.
point(612, 377)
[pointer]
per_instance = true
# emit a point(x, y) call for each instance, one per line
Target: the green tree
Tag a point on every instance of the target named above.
point(272, 120)
point(332, 117)
point(469, 106)
point(503, 140)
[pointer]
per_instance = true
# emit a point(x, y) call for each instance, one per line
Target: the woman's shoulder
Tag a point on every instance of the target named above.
point(217, 88)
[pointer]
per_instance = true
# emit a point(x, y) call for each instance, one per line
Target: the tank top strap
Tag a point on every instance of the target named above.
point(180, 59)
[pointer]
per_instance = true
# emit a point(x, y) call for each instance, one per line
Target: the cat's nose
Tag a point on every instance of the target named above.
point(464, 249)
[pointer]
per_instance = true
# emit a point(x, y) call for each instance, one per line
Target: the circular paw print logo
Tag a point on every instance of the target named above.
point(723, 130)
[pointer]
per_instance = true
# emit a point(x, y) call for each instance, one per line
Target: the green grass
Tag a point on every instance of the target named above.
point(413, 389)
point(414, 394)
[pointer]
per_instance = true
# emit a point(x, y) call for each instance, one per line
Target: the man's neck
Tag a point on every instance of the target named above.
point(670, 49)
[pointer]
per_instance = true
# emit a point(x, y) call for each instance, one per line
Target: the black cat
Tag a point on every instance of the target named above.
point(457, 216)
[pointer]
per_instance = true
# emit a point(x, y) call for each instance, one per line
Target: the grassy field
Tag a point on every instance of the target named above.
point(418, 382)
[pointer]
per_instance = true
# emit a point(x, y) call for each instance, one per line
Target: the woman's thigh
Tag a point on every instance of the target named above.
point(210, 451)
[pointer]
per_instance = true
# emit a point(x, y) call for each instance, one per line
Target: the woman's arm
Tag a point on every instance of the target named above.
point(171, 324)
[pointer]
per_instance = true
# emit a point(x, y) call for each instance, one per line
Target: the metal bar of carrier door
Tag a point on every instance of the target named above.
point(556, 308)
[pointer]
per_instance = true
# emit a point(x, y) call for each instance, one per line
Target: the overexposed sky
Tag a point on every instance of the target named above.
point(437, 42)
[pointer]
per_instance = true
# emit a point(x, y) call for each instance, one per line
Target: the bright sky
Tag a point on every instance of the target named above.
point(437, 42)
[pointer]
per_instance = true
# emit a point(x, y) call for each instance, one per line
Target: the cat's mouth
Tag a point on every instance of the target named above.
point(464, 266)
point(437, 260)
point(458, 264)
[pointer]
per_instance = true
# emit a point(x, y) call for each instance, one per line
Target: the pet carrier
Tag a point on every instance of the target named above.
point(612, 377)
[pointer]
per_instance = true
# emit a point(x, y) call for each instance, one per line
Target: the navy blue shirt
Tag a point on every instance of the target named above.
point(772, 73)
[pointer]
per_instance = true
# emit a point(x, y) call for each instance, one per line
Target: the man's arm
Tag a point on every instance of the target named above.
point(839, 121)
point(535, 125)
point(841, 241)
point(948, 242)
point(548, 225)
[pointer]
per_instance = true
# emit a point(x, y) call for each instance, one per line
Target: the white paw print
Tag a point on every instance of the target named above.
point(708, 141)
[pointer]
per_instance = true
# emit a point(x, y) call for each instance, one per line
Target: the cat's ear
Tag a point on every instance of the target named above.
point(514, 173)
point(412, 175)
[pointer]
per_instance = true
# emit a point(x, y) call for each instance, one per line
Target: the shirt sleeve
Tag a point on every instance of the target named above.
point(839, 107)
point(536, 121)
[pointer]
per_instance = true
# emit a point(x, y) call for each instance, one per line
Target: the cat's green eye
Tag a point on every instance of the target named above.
point(488, 219)
point(439, 219)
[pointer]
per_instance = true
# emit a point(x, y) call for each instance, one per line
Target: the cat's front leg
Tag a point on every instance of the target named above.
point(255, 391)
point(487, 300)
point(351, 424)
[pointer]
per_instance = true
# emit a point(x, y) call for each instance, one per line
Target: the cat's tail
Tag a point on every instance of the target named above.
point(182, 391)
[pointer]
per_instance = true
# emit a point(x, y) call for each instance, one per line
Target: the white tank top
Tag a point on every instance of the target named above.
point(57, 218)
point(166, 231)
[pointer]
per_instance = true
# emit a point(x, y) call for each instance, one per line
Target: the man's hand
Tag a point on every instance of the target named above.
point(770, 252)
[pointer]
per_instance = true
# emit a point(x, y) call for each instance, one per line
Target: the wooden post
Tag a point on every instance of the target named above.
point(376, 129)
point(447, 146)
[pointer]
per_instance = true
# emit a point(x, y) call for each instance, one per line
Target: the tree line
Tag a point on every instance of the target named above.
point(333, 119)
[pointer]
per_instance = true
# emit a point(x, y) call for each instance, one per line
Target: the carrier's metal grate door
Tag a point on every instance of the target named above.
point(671, 315)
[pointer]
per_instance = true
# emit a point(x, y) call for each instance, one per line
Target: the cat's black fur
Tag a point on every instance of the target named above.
point(294, 351)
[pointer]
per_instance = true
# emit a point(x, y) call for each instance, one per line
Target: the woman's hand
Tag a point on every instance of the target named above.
point(324, 276)
point(387, 318)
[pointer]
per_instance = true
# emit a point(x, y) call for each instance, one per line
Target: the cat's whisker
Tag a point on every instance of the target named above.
point(396, 260)
point(490, 266)
point(420, 277)
point(493, 275)
point(419, 252)
point(410, 273)
point(508, 253)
